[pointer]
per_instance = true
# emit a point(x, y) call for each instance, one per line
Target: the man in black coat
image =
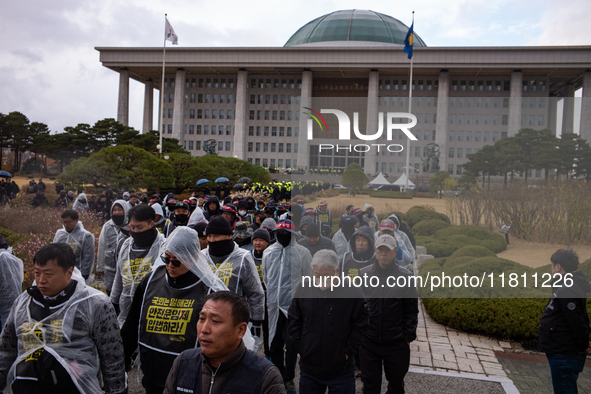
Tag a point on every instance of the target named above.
point(393, 317)
point(564, 326)
point(333, 321)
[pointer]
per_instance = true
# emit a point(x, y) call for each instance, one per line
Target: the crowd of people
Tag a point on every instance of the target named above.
point(195, 286)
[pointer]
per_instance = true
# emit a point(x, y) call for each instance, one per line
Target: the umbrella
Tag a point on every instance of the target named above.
point(202, 182)
point(238, 186)
point(244, 180)
point(5, 174)
point(222, 179)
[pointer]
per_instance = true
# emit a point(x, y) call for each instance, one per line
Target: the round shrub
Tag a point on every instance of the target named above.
point(439, 249)
point(472, 251)
point(494, 242)
point(417, 214)
point(429, 227)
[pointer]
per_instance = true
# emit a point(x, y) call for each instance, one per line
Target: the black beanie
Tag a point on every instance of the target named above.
point(312, 231)
point(200, 228)
point(262, 234)
point(219, 225)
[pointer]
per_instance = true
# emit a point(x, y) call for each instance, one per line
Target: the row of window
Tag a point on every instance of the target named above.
point(275, 147)
point(271, 162)
point(477, 135)
point(274, 83)
point(458, 153)
point(220, 146)
point(202, 83)
point(201, 113)
point(200, 129)
point(199, 98)
point(277, 99)
point(420, 84)
point(531, 85)
point(272, 115)
point(283, 131)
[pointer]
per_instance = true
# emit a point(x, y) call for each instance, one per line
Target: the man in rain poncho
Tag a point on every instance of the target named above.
point(80, 240)
point(137, 256)
point(11, 279)
point(284, 264)
point(108, 242)
point(61, 333)
point(370, 217)
point(401, 238)
point(234, 266)
point(166, 306)
point(81, 203)
point(348, 225)
point(404, 256)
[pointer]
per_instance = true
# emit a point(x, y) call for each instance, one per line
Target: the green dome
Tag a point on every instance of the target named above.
point(353, 25)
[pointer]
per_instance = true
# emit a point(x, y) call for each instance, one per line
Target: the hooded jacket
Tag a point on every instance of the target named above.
point(209, 214)
point(80, 206)
point(107, 246)
point(305, 221)
point(371, 220)
point(564, 326)
point(353, 261)
point(11, 280)
point(323, 243)
point(82, 243)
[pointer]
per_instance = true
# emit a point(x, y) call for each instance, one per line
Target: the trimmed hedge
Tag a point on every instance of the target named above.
point(429, 227)
point(472, 251)
point(446, 241)
point(418, 214)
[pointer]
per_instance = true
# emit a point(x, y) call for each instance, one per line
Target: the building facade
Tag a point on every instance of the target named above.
point(251, 100)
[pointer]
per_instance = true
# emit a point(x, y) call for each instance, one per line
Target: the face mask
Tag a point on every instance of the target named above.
point(118, 219)
point(283, 239)
point(144, 239)
point(242, 212)
point(221, 248)
point(182, 218)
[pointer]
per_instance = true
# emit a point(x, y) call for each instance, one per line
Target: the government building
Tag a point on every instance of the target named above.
point(253, 102)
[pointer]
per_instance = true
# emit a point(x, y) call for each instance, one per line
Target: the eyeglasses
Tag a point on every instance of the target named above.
point(175, 263)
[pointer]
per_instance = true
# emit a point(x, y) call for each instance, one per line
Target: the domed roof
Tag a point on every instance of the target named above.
point(353, 25)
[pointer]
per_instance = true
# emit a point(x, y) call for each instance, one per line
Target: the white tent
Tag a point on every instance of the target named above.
point(380, 180)
point(402, 181)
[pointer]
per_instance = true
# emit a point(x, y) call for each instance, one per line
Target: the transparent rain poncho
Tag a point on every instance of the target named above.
point(133, 272)
point(11, 282)
point(403, 238)
point(197, 217)
point(404, 257)
point(183, 243)
point(107, 246)
point(283, 269)
point(82, 243)
point(66, 335)
point(341, 244)
point(79, 205)
point(239, 272)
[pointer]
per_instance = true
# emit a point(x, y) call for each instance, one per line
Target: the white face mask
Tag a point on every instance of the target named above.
point(242, 212)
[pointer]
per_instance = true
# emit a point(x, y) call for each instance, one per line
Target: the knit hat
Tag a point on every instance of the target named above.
point(241, 230)
point(262, 234)
point(269, 223)
point(312, 231)
point(200, 228)
point(348, 220)
point(219, 225)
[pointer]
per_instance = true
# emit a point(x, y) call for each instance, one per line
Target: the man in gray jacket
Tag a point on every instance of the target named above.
point(80, 240)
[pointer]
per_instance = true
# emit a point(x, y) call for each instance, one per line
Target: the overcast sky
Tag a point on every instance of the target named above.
point(50, 71)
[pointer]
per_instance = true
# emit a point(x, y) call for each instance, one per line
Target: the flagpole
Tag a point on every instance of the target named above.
point(409, 111)
point(162, 87)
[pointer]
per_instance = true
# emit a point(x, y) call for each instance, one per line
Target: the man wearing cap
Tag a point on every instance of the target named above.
point(341, 239)
point(200, 228)
point(282, 211)
point(270, 210)
point(300, 202)
point(401, 237)
point(259, 218)
point(284, 264)
point(403, 257)
point(393, 317)
point(180, 218)
point(243, 236)
point(324, 218)
point(229, 212)
point(234, 266)
point(260, 242)
point(243, 213)
point(314, 241)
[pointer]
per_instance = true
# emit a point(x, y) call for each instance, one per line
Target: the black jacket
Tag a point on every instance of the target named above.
point(564, 326)
point(393, 311)
point(323, 243)
point(209, 214)
point(326, 327)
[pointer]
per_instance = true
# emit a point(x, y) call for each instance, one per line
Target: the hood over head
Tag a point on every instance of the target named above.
point(213, 199)
point(123, 204)
point(368, 233)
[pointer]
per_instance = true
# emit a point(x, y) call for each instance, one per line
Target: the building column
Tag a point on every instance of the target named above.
point(515, 95)
point(568, 113)
point(148, 107)
point(303, 155)
point(371, 157)
point(123, 103)
point(441, 127)
point(551, 114)
point(585, 128)
point(239, 140)
point(179, 106)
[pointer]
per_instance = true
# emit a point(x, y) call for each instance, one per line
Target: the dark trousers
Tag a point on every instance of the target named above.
point(565, 371)
point(266, 330)
point(151, 388)
point(344, 384)
point(285, 361)
point(395, 357)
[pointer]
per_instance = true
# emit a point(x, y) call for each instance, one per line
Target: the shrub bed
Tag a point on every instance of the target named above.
point(429, 227)
point(389, 194)
point(418, 214)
